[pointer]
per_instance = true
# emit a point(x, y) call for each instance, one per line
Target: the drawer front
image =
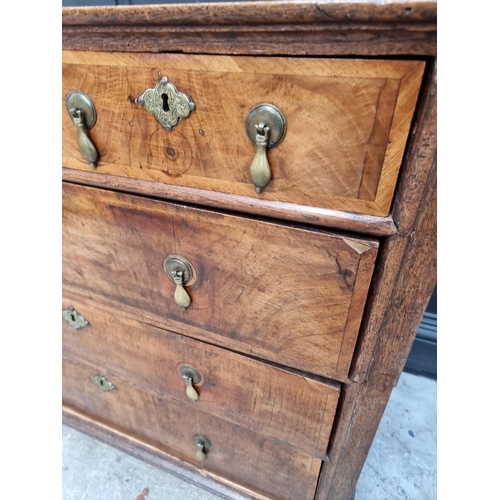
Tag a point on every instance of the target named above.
point(238, 454)
point(347, 124)
point(290, 295)
point(273, 402)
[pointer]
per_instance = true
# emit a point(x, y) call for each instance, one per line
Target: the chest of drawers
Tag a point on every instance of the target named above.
point(248, 233)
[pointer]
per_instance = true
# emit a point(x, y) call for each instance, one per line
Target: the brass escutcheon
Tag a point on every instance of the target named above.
point(102, 382)
point(167, 104)
point(76, 320)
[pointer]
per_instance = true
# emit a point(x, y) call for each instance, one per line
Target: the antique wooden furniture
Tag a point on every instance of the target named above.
point(249, 233)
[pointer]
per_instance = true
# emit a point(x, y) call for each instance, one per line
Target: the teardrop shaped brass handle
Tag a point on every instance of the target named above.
point(190, 390)
point(82, 111)
point(260, 171)
point(181, 297)
point(191, 376)
point(266, 128)
point(200, 454)
point(202, 447)
point(87, 148)
point(180, 272)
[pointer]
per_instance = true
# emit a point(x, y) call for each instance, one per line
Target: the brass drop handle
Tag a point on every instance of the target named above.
point(260, 171)
point(87, 148)
point(82, 111)
point(266, 128)
point(202, 447)
point(200, 454)
point(180, 272)
point(190, 390)
point(181, 297)
point(191, 376)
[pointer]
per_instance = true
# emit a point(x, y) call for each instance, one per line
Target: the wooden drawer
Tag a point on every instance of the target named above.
point(291, 295)
point(273, 402)
point(268, 468)
point(347, 124)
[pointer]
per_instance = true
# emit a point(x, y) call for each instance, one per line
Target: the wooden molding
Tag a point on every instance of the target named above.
point(335, 219)
point(286, 27)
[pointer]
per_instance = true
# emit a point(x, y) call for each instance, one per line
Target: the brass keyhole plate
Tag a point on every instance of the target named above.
point(102, 382)
point(76, 99)
point(76, 320)
point(167, 104)
point(273, 117)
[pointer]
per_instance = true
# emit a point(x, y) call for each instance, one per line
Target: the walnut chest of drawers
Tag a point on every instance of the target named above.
point(249, 226)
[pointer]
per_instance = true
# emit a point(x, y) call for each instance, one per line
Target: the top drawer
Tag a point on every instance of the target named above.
point(347, 124)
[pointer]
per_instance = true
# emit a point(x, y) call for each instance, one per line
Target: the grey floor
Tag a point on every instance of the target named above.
point(401, 464)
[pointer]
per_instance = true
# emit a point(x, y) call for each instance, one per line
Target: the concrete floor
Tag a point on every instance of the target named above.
point(401, 464)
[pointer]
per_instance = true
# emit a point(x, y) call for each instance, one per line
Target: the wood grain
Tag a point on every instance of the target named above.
point(347, 124)
point(213, 483)
point(335, 219)
point(403, 284)
point(274, 403)
point(290, 295)
point(236, 453)
point(277, 292)
point(405, 268)
point(281, 27)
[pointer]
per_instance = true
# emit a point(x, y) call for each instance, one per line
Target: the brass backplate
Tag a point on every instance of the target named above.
point(201, 439)
point(273, 117)
point(76, 99)
point(189, 371)
point(176, 264)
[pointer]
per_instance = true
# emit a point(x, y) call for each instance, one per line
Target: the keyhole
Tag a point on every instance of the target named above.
point(73, 317)
point(101, 382)
point(165, 106)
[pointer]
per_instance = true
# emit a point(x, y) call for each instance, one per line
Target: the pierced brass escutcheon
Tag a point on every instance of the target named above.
point(266, 128)
point(76, 320)
point(202, 446)
point(167, 104)
point(82, 111)
point(102, 382)
point(191, 376)
point(180, 273)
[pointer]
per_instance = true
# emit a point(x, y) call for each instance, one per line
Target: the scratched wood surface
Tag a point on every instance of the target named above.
point(214, 483)
point(371, 225)
point(303, 28)
point(347, 124)
point(290, 295)
point(236, 453)
point(274, 403)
